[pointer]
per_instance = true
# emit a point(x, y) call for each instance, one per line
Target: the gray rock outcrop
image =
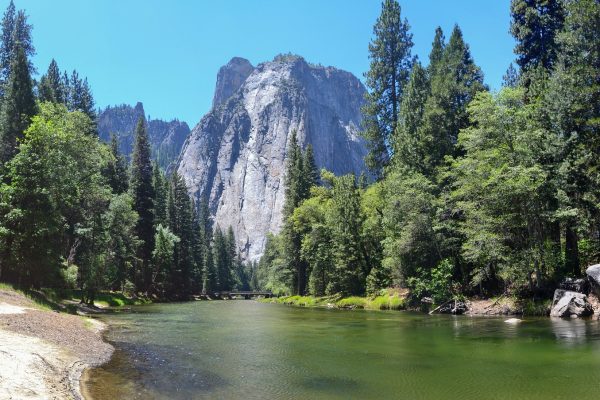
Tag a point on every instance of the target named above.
point(593, 275)
point(166, 137)
point(236, 155)
point(230, 78)
point(567, 304)
point(575, 285)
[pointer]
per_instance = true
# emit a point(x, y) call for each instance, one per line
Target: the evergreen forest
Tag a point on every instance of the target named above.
point(469, 192)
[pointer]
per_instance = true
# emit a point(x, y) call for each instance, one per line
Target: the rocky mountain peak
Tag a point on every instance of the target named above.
point(139, 109)
point(230, 78)
point(236, 156)
point(166, 137)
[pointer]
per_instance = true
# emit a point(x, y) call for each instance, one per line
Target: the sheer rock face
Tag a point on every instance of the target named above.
point(236, 155)
point(166, 138)
point(230, 78)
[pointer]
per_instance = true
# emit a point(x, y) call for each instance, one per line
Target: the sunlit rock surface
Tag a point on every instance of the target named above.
point(236, 155)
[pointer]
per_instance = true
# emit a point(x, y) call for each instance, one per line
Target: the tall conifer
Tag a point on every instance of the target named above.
point(18, 106)
point(391, 61)
point(51, 86)
point(142, 191)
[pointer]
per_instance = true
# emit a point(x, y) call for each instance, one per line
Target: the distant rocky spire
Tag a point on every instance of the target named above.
point(230, 78)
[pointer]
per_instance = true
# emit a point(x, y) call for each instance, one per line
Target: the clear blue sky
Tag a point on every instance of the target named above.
point(167, 53)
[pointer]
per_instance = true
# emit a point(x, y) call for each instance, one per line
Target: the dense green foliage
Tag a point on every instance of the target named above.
point(474, 192)
point(481, 193)
point(75, 215)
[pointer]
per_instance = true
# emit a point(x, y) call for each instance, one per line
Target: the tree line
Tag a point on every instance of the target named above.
point(75, 214)
point(474, 192)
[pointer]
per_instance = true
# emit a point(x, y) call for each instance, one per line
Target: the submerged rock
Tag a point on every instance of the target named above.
point(513, 321)
point(568, 304)
point(593, 274)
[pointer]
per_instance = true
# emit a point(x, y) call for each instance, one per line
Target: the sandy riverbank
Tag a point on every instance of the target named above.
point(43, 353)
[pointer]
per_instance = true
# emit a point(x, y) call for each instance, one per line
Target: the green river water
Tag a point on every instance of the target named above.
point(249, 350)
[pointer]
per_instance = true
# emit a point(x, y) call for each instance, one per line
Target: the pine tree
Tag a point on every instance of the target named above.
point(293, 176)
point(163, 259)
point(511, 77)
point(454, 82)
point(14, 29)
point(66, 84)
point(408, 142)
point(142, 192)
point(310, 171)
point(294, 194)
point(391, 61)
point(80, 96)
point(161, 190)
point(87, 101)
point(205, 226)
point(197, 249)
point(535, 25)
point(572, 106)
point(221, 261)
point(209, 273)
point(122, 242)
point(231, 248)
point(6, 47)
point(18, 106)
point(180, 223)
point(116, 170)
point(350, 264)
point(51, 85)
point(437, 52)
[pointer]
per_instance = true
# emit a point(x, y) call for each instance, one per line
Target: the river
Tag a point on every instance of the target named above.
point(250, 350)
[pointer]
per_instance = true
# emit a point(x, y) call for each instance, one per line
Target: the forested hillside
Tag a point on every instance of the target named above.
point(74, 213)
point(471, 191)
point(478, 192)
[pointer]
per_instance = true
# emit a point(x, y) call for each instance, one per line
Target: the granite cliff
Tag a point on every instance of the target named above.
point(166, 137)
point(236, 156)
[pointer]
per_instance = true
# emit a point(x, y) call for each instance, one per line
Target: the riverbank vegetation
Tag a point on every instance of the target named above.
point(475, 193)
point(384, 300)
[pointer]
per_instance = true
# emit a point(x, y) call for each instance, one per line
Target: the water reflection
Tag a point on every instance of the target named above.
point(242, 350)
point(571, 331)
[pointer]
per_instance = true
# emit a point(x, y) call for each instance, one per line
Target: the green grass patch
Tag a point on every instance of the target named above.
point(384, 301)
point(387, 302)
point(64, 299)
point(352, 302)
point(301, 301)
point(39, 298)
point(535, 307)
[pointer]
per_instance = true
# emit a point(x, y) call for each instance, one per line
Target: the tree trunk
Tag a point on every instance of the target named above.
point(571, 251)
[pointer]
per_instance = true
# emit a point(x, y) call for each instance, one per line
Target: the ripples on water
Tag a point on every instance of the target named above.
point(248, 350)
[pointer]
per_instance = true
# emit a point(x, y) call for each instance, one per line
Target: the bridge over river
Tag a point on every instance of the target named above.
point(245, 294)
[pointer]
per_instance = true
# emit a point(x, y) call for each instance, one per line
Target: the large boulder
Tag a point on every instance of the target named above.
point(575, 285)
point(568, 304)
point(593, 274)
